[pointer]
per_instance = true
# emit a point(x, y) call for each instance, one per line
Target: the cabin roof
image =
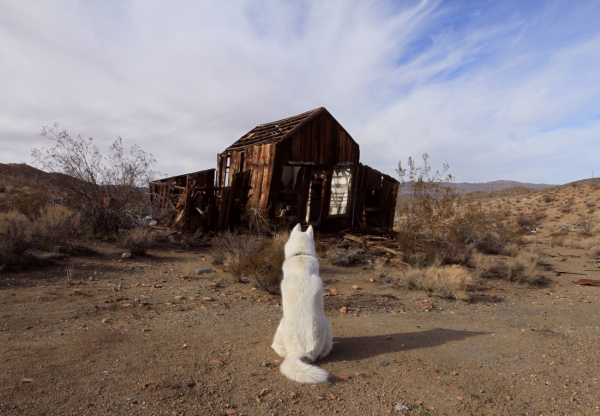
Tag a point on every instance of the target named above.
point(276, 131)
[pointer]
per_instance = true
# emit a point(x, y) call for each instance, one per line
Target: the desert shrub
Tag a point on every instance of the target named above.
point(432, 227)
point(343, 256)
point(586, 224)
point(595, 250)
point(523, 268)
point(448, 282)
point(481, 266)
point(511, 249)
point(547, 198)
point(233, 249)
point(137, 241)
point(106, 192)
point(53, 227)
point(17, 236)
point(264, 265)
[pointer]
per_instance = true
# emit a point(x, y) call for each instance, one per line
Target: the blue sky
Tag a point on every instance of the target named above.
point(497, 90)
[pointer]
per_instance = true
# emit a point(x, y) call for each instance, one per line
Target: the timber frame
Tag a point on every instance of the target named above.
point(300, 169)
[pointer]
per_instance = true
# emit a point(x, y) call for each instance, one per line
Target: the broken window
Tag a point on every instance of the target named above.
point(289, 178)
point(340, 184)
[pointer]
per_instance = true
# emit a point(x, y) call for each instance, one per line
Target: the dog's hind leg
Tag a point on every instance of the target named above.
point(328, 342)
point(278, 342)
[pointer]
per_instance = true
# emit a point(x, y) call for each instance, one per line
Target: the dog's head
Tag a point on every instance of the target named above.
point(300, 242)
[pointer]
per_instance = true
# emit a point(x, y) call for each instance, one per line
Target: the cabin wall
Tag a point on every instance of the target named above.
point(259, 160)
point(375, 203)
point(317, 147)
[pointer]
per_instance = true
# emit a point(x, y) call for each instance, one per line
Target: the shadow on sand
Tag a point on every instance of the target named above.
point(359, 348)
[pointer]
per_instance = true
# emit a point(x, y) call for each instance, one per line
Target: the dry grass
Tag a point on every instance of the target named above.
point(264, 265)
point(523, 268)
point(233, 249)
point(137, 241)
point(54, 226)
point(448, 282)
point(511, 249)
point(17, 236)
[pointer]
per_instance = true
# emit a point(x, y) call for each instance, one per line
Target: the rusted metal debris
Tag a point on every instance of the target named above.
point(303, 169)
point(588, 282)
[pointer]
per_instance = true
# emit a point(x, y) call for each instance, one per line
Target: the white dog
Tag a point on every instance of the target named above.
point(304, 333)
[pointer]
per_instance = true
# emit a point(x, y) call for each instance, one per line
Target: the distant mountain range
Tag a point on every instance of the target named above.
point(467, 187)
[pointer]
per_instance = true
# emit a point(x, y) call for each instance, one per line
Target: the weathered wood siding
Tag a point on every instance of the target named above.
point(375, 202)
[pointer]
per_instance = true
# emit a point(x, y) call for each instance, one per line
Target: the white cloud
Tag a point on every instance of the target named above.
point(497, 92)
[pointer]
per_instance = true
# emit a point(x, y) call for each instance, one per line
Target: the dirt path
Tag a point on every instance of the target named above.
point(138, 339)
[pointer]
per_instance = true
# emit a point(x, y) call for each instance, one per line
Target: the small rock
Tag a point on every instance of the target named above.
point(230, 411)
point(383, 363)
point(454, 373)
point(158, 286)
point(355, 287)
point(217, 362)
point(345, 377)
point(27, 380)
point(402, 408)
point(265, 364)
point(126, 255)
point(207, 298)
point(91, 278)
point(179, 297)
point(105, 320)
point(263, 392)
point(204, 270)
point(344, 309)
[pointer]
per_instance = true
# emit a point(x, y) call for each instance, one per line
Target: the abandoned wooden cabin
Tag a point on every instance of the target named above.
point(304, 169)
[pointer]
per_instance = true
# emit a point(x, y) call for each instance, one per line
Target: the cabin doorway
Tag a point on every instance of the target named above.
point(315, 199)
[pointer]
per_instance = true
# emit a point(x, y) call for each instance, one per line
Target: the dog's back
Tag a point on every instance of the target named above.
point(304, 332)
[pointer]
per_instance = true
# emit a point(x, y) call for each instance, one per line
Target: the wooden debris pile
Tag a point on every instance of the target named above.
point(375, 245)
point(192, 202)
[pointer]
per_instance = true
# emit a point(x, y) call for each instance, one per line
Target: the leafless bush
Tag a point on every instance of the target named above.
point(595, 249)
point(137, 241)
point(448, 282)
point(105, 191)
point(431, 228)
point(586, 224)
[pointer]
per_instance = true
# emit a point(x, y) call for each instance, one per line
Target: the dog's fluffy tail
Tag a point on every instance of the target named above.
point(293, 367)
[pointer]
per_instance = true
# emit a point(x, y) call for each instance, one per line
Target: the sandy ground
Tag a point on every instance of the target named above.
point(150, 336)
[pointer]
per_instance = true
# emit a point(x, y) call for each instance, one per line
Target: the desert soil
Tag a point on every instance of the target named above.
point(150, 336)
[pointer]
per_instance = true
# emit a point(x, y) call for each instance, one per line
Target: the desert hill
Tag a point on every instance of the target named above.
point(463, 188)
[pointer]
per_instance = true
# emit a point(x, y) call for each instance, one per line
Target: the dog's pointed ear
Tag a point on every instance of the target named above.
point(297, 228)
point(310, 232)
